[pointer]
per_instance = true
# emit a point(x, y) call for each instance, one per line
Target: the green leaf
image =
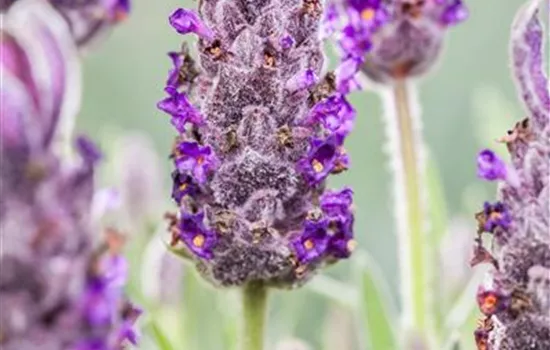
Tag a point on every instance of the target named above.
point(376, 311)
point(161, 340)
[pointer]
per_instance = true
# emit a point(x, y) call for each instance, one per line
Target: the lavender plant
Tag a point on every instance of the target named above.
point(260, 127)
point(514, 297)
point(59, 287)
point(389, 44)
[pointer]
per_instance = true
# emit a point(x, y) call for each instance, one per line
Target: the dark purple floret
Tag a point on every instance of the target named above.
point(186, 21)
point(183, 185)
point(337, 203)
point(335, 114)
point(490, 166)
point(287, 41)
point(341, 243)
point(182, 111)
point(312, 242)
point(497, 216)
point(193, 232)
point(172, 83)
point(195, 160)
point(325, 156)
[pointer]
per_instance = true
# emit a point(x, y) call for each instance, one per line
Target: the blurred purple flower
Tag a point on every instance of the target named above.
point(61, 292)
point(516, 304)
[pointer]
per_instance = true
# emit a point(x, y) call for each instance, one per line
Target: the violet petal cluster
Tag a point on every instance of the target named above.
point(392, 39)
point(514, 298)
point(58, 289)
point(260, 128)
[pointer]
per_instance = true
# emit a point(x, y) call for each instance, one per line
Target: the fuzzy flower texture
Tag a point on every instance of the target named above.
point(58, 289)
point(391, 39)
point(515, 298)
point(260, 129)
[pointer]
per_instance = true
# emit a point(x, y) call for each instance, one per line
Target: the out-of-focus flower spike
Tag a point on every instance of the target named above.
point(516, 298)
point(33, 29)
point(528, 64)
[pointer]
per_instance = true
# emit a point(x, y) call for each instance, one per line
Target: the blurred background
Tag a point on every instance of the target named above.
point(468, 103)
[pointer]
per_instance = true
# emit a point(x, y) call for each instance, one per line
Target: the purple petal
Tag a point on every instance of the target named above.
point(490, 166)
point(454, 13)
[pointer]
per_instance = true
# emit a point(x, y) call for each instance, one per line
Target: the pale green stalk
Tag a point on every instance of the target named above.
point(254, 311)
point(407, 162)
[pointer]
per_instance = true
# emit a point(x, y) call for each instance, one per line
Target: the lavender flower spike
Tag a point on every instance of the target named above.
point(516, 303)
point(395, 39)
point(58, 290)
point(260, 128)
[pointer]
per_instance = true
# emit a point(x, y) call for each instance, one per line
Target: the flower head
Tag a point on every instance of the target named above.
point(182, 111)
point(519, 221)
point(251, 170)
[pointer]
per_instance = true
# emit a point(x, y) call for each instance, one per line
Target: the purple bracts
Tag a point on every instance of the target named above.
point(515, 298)
point(260, 128)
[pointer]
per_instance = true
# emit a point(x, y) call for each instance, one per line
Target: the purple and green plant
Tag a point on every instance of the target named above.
point(514, 298)
point(388, 46)
point(261, 125)
point(61, 283)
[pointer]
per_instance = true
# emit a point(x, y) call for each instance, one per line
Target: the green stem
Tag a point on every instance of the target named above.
point(413, 274)
point(254, 309)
